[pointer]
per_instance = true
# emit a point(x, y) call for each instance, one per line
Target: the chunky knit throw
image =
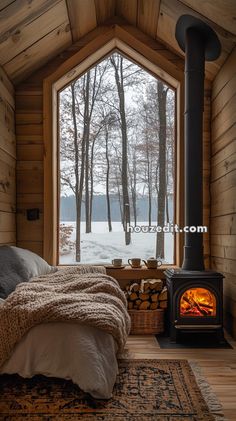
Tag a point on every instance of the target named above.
point(79, 294)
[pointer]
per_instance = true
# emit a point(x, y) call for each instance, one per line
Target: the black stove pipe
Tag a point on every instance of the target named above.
point(193, 118)
point(199, 42)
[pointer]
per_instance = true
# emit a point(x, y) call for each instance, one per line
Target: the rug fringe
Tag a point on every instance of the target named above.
point(210, 397)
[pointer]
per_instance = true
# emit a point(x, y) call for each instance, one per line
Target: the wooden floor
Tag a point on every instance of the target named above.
point(218, 366)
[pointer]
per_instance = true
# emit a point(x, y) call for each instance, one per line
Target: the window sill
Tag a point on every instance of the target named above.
point(138, 273)
point(128, 273)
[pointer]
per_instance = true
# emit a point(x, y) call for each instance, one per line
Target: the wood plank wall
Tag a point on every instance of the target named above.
point(30, 154)
point(7, 162)
point(29, 135)
point(223, 184)
point(206, 170)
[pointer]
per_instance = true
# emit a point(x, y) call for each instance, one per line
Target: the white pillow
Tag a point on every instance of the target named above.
point(34, 264)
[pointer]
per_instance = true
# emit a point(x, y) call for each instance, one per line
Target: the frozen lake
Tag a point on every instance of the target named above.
point(101, 246)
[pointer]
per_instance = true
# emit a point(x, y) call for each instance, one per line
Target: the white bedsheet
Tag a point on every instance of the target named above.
point(83, 354)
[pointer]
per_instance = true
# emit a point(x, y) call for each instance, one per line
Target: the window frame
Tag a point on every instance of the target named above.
point(76, 66)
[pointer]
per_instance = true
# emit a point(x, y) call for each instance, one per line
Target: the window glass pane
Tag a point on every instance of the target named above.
point(117, 155)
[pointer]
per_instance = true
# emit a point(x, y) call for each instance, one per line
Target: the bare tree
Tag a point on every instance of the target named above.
point(91, 92)
point(117, 63)
point(91, 181)
point(117, 179)
point(79, 173)
point(133, 182)
point(161, 97)
point(108, 179)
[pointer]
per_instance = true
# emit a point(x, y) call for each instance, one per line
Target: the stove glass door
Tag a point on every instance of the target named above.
point(198, 302)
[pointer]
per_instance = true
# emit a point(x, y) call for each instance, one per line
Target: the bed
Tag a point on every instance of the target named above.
point(72, 350)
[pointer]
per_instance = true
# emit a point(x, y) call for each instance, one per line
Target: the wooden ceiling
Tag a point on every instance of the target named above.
point(34, 31)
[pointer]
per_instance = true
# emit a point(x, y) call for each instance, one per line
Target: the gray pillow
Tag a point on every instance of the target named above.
point(33, 264)
point(19, 265)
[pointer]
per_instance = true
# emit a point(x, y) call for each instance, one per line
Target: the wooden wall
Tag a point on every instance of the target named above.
point(33, 30)
point(7, 162)
point(30, 153)
point(206, 170)
point(30, 149)
point(29, 135)
point(223, 184)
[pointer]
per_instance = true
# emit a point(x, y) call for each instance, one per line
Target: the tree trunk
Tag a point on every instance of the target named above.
point(120, 201)
point(167, 209)
point(134, 192)
point(79, 178)
point(118, 67)
point(133, 186)
point(91, 184)
point(149, 183)
point(161, 96)
point(148, 152)
point(167, 198)
point(149, 207)
point(134, 200)
point(86, 136)
point(107, 182)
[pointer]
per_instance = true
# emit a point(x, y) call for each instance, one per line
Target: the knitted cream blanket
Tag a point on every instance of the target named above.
point(79, 294)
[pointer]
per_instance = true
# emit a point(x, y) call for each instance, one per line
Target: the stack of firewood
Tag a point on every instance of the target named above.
point(150, 294)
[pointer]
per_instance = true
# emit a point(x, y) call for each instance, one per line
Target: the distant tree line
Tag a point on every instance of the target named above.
point(68, 209)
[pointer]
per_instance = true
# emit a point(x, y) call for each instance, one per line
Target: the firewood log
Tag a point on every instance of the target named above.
point(154, 306)
point(163, 304)
point(130, 305)
point(154, 297)
point(144, 305)
point(145, 285)
point(143, 296)
point(134, 287)
point(138, 302)
point(163, 294)
point(194, 303)
point(152, 284)
point(156, 284)
point(133, 296)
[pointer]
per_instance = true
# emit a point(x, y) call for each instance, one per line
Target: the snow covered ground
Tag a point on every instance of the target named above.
point(101, 246)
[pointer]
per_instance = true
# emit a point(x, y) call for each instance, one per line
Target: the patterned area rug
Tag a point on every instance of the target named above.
point(146, 390)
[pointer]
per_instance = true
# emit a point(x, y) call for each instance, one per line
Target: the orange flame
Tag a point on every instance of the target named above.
point(198, 302)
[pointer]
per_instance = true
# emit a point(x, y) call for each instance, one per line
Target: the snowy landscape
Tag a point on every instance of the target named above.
point(117, 164)
point(101, 246)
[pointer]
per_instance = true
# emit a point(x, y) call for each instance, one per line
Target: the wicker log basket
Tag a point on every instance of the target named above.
point(147, 302)
point(147, 322)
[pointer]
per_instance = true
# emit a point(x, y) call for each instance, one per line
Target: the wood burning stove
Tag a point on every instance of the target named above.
point(195, 300)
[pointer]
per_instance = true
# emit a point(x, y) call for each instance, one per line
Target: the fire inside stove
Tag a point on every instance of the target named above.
point(198, 302)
